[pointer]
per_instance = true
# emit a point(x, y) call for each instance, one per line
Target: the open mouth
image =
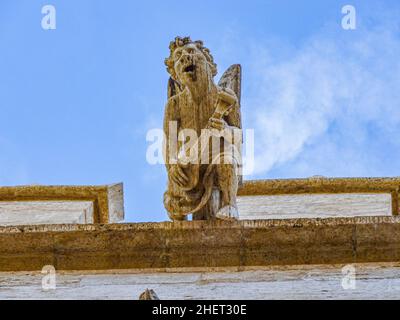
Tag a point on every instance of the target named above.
point(190, 68)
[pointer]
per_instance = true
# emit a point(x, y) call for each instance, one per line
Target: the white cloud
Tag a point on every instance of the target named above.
point(332, 90)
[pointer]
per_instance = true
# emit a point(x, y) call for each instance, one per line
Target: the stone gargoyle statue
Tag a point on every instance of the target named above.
point(203, 137)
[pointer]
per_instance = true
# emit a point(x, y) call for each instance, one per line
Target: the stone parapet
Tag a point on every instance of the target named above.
point(106, 203)
point(200, 244)
point(321, 185)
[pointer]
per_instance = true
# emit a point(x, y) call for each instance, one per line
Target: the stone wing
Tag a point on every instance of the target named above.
point(232, 79)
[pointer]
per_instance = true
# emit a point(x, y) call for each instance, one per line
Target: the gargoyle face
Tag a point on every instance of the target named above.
point(190, 64)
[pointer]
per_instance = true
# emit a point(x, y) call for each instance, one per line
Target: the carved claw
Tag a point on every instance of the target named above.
point(177, 217)
point(228, 213)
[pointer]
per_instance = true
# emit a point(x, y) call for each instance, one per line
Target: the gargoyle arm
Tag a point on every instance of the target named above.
point(170, 143)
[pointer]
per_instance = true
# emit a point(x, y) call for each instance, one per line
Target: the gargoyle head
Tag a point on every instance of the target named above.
point(190, 62)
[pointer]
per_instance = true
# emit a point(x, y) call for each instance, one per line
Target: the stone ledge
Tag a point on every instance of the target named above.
point(107, 200)
point(17, 213)
point(337, 205)
point(321, 185)
point(201, 244)
point(374, 281)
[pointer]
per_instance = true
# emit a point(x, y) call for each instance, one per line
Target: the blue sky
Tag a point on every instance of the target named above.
point(76, 102)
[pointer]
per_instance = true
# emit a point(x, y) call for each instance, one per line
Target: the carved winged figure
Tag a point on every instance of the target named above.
point(206, 185)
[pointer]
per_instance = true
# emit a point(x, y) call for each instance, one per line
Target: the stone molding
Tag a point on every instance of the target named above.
point(107, 200)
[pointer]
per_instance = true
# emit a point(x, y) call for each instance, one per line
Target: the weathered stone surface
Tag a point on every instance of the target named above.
point(116, 211)
point(321, 185)
point(201, 182)
point(149, 294)
point(373, 281)
point(51, 212)
point(107, 201)
point(201, 244)
point(313, 206)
